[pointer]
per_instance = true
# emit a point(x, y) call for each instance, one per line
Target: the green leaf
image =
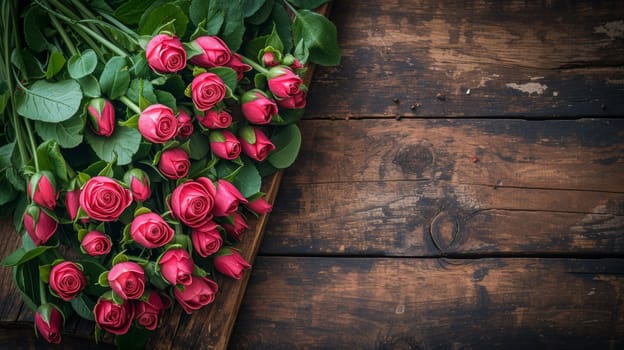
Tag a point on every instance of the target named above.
point(35, 20)
point(274, 40)
point(50, 158)
point(90, 86)
point(5, 156)
point(26, 278)
point(135, 339)
point(308, 4)
point(4, 95)
point(283, 25)
point(55, 64)
point(228, 170)
point(228, 75)
point(287, 141)
point(28, 64)
point(234, 26)
point(83, 306)
point(248, 180)
point(115, 77)
point(67, 133)
point(50, 102)
point(82, 64)
point(288, 116)
point(199, 145)
point(155, 19)
point(251, 6)
point(130, 11)
point(167, 99)
point(124, 142)
point(8, 193)
point(142, 89)
point(21, 255)
point(319, 37)
point(262, 14)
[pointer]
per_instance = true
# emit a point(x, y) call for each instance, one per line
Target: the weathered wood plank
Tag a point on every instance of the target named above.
point(354, 303)
point(11, 301)
point(518, 58)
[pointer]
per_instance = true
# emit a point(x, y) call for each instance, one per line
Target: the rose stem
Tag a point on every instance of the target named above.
point(42, 293)
point(255, 65)
point(130, 104)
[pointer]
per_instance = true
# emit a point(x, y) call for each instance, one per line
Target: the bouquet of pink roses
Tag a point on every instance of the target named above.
point(143, 130)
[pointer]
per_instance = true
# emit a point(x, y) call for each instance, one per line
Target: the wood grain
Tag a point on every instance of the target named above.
point(518, 58)
point(358, 303)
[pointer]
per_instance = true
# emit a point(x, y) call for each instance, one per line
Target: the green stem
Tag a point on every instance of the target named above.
point(70, 45)
point(103, 40)
point(33, 146)
point(255, 65)
point(43, 296)
point(68, 12)
point(291, 7)
point(130, 104)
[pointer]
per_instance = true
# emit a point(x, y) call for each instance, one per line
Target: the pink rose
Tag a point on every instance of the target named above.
point(207, 89)
point(72, 202)
point(215, 52)
point(224, 144)
point(150, 230)
point(176, 266)
point(95, 243)
point(157, 123)
point(101, 116)
point(113, 318)
point(148, 313)
point(67, 280)
point(254, 143)
point(42, 189)
point(212, 119)
point(127, 279)
point(206, 239)
point(226, 199)
point(269, 59)
point(237, 228)
point(48, 322)
point(103, 199)
point(229, 262)
point(192, 202)
point(39, 225)
point(165, 54)
point(236, 63)
point(283, 82)
point(257, 107)
point(259, 206)
point(139, 184)
point(297, 101)
point(185, 124)
point(199, 293)
point(174, 163)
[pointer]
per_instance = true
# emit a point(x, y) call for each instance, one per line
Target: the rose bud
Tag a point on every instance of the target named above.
point(101, 116)
point(95, 243)
point(259, 206)
point(176, 266)
point(139, 184)
point(199, 293)
point(227, 198)
point(113, 318)
point(283, 82)
point(206, 239)
point(185, 124)
point(212, 119)
point(67, 280)
point(254, 143)
point(297, 101)
point(165, 54)
point(269, 59)
point(229, 262)
point(104, 199)
point(72, 201)
point(157, 123)
point(237, 228)
point(174, 163)
point(224, 144)
point(148, 313)
point(42, 189)
point(127, 279)
point(236, 63)
point(150, 230)
point(257, 107)
point(48, 323)
point(40, 225)
point(215, 52)
point(207, 89)
point(192, 202)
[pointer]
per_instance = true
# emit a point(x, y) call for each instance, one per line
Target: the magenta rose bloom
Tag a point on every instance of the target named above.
point(207, 89)
point(257, 107)
point(67, 280)
point(101, 116)
point(104, 199)
point(185, 124)
point(236, 63)
point(269, 59)
point(127, 279)
point(259, 206)
point(148, 313)
point(192, 202)
point(42, 189)
point(283, 82)
point(72, 202)
point(237, 228)
point(174, 163)
point(212, 119)
point(165, 54)
point(254, 143)
point(158, 124)
point(206, 239)
point(224, 144)
point(150, 230)
point(215, 52)
point(39, 225)
point(95, 243)
point(139, 184)
point(229, 262)
point(113, 318)
point(297, 101)
point(176, 266)
point(199, 293)
point(48, 323)
point(227, 198)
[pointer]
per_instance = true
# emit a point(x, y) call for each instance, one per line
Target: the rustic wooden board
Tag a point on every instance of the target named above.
point(356, 303)
point(518, 58)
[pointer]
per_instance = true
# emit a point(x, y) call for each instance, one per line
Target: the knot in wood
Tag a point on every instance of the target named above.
point(444, 231)
point(414, 159)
